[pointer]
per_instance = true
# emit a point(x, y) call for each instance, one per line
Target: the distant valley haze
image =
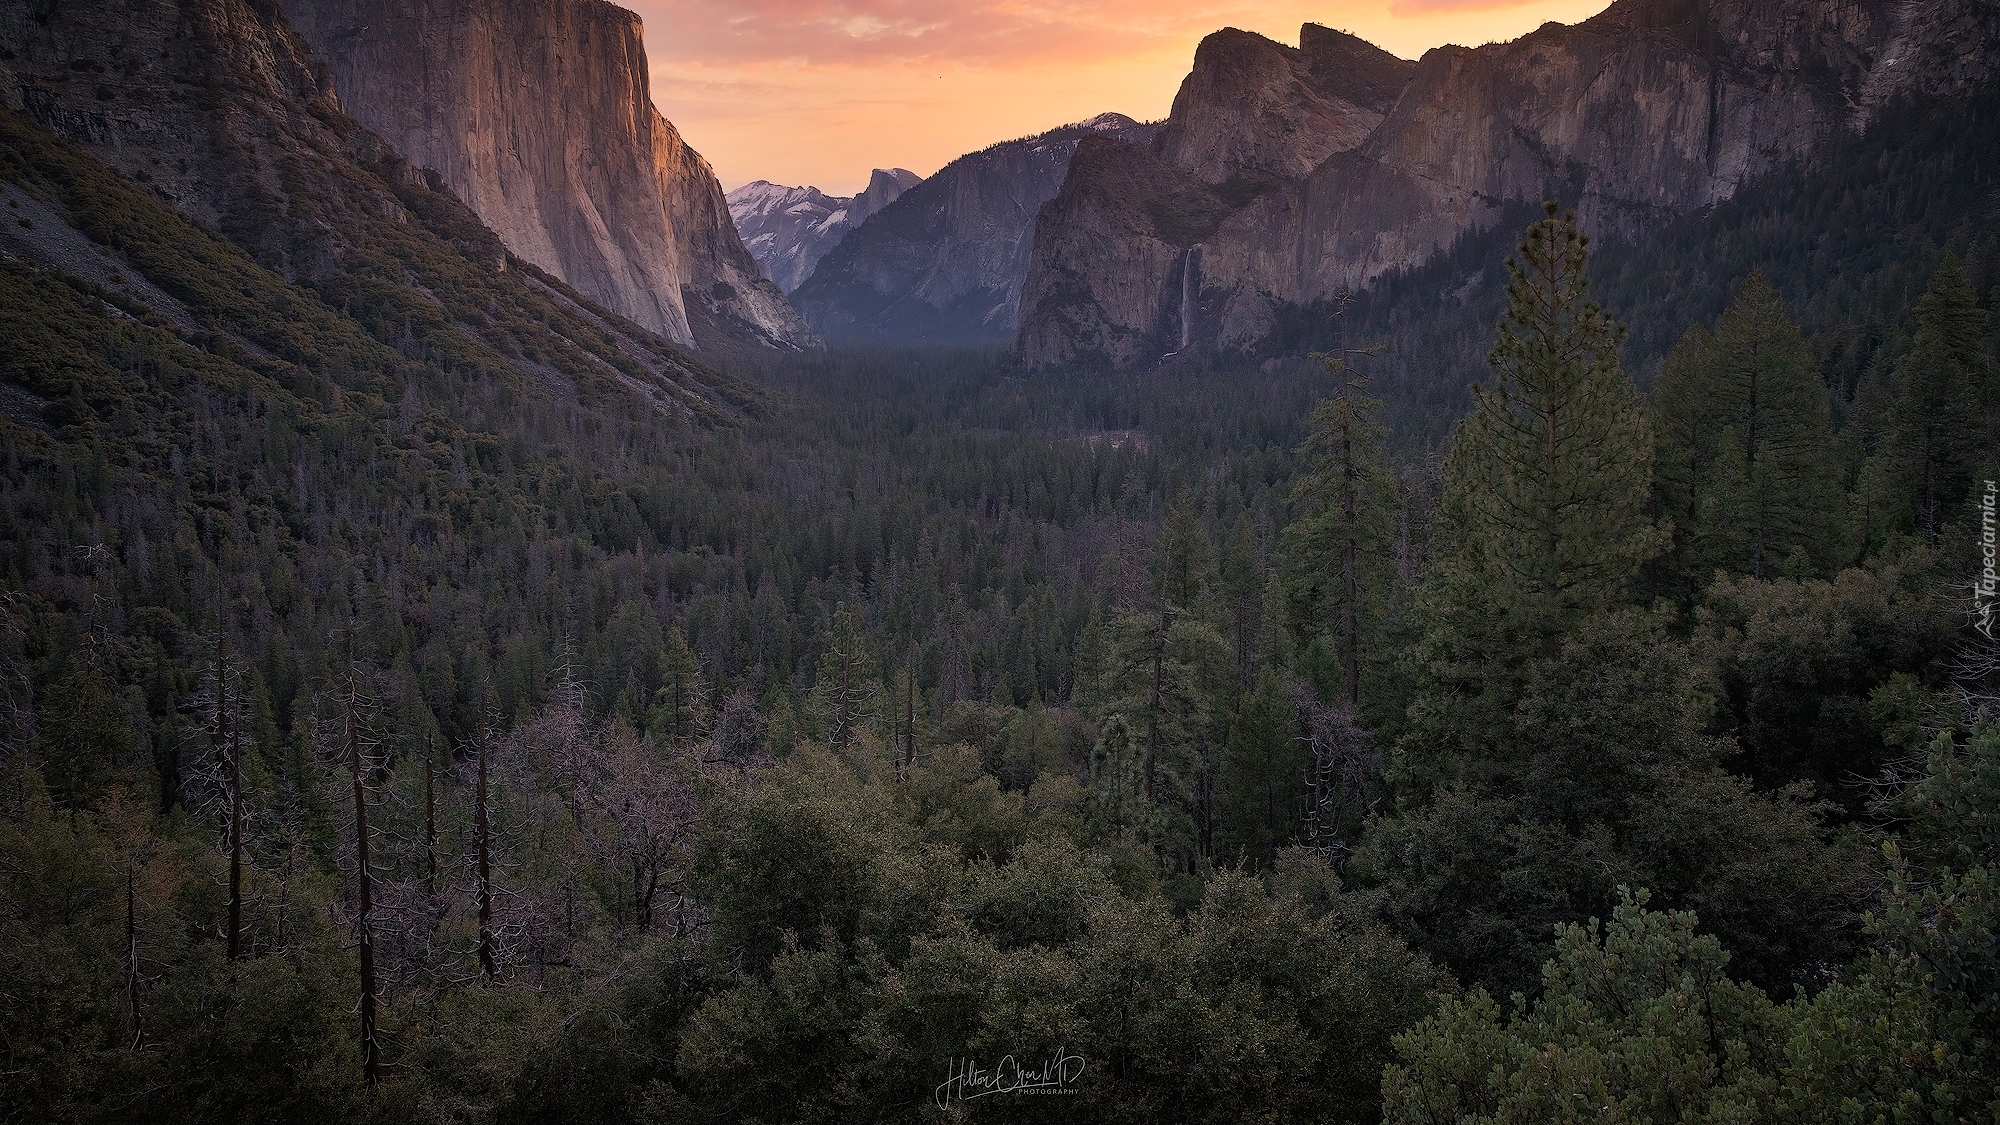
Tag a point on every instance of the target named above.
point(818, 92)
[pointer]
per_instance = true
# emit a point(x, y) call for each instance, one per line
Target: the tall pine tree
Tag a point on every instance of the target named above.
point(1339, 552)
point(1745, 432)
point(1543, 521)
point(1945, 402)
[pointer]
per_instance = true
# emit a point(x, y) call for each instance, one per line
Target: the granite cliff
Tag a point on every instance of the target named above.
point(945, 261)
point(539, 116)
point(789, 229)
point(219, 109)
point(1651, 109)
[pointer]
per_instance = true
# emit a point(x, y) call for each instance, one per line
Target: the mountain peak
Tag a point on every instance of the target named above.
point(789, 229)
point(1256, 110)
point(903, 178)
point(1108, 123)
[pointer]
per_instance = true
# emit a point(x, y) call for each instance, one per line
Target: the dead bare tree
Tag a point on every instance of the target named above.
point(1976, 662)
point(214, 785)
point(646, 807)
point(356, 745)
point(1336, 779)
point(345, 729)
point(134, 982)
point(482, 832)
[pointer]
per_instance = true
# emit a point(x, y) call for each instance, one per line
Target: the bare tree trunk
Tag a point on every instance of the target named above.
point(909, 755)
point(430, 827)
point(229, 738)
point(1351, 563)
point(1157, 697)
point(132, 979)
point(645, 885)
point(370, 1063)
point(482, 829)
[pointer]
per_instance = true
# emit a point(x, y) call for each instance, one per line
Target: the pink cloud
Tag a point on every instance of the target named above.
point(1438, 7)
point(956, 32)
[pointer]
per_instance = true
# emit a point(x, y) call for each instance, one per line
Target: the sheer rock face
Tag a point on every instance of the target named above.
point(1252, 107)
point(1650, 109)
point(728, 299)
point(945, 262)
point(538, 115)
point(222, 110)
point(789, 229)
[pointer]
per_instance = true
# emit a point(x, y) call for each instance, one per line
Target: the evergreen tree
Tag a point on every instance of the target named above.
point(680, 707)
point(842, 688)
point(1777, 439)
point(1339, 551)
point(1164, 669)
point(1119, 807)
point(1543, 520)
point(1945, 402)
point(1264, 764)
point(1684, 440)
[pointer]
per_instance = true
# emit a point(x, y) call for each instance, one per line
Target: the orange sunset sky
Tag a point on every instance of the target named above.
point(820, 91)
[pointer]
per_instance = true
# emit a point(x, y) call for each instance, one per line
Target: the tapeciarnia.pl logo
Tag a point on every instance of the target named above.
point(1987, 589)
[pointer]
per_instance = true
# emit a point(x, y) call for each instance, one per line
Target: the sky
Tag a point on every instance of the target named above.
point(820, 91)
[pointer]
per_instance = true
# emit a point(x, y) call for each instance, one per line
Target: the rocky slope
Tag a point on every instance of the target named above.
point(221, 111)
point(1651, 109)
point(538, 115)
point(789, 229)
point(945, 262)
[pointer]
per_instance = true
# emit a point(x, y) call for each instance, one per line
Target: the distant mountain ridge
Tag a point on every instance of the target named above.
point(945, 262)
point(538, 114)
point(1287, 175)
point(789, 229)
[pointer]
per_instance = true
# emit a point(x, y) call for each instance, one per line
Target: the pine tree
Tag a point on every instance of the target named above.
point(1543, 520)
point(1119, 807)
point(1772, 496)
point(1945, 402)
point(681, 705)
point(842, 687)
point(1685, 431)
point(1263, 761)
point(1339, 553)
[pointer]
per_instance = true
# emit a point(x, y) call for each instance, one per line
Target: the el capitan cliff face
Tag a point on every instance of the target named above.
point(538, 115)
point(1651, 109)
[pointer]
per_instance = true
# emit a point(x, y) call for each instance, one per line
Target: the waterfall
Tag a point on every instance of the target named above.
point(1190, 294)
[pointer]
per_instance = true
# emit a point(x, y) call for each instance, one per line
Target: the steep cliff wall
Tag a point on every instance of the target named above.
point(1112, 258)
point(946, 260)
point(538, 115)
point(727, 298)
point(219, 108)
point(1252, 107)
point(1651, 109)
point(1121, 264)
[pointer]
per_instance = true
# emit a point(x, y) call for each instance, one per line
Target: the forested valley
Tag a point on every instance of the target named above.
point(387, 736)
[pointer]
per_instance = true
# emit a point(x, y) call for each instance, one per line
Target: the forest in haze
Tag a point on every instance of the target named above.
point(390, 735)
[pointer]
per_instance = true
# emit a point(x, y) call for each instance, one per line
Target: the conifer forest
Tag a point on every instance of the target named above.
point(1553, 682)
